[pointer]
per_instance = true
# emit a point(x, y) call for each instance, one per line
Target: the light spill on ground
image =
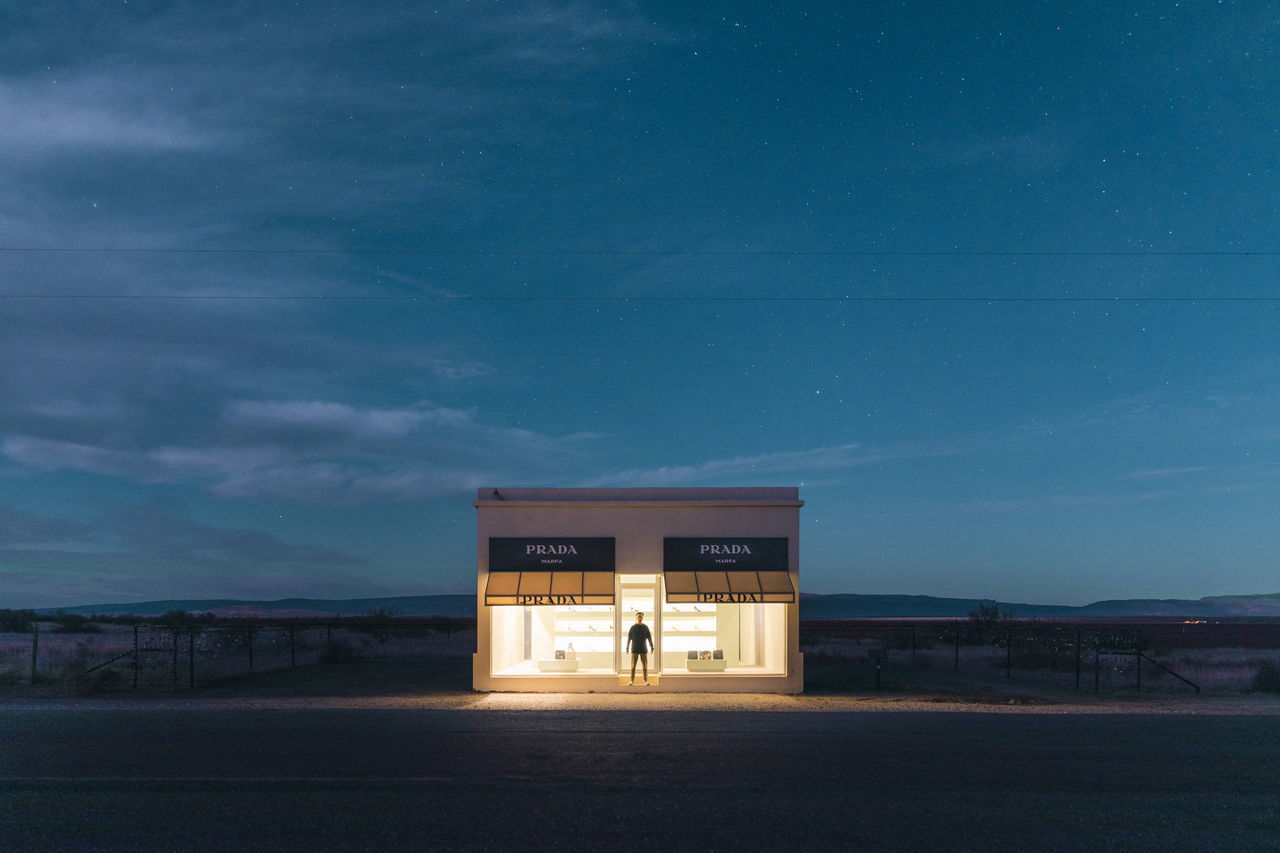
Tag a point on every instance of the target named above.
point(683, 702)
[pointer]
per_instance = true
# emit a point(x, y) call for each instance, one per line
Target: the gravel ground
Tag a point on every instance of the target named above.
point(409, 684)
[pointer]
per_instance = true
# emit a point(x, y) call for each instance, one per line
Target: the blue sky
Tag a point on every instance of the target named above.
point(997, 288)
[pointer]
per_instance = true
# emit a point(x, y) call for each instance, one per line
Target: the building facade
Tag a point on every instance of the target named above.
point(562, 574)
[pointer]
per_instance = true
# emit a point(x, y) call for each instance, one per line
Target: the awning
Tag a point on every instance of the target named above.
point(550, 570)
point(727, 570)
point(730, 587)
point(540, 588)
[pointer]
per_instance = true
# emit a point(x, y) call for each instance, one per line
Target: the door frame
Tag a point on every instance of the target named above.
point(625, 618)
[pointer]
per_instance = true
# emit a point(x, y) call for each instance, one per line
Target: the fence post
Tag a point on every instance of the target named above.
point(191, 657)
point(1077, 659)
point(135, 657)
point(35, 646)
point(1097, 662)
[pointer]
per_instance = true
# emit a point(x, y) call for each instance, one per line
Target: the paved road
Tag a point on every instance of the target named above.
point(449, 779)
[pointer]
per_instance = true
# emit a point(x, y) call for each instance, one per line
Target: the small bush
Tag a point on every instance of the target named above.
point(1267, 678)
point(341, 650)
point(17, 621)
point(74, 623)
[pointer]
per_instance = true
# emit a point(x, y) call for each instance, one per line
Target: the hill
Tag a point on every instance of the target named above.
point(289, 608)
point(925, 606)
point(842, 606)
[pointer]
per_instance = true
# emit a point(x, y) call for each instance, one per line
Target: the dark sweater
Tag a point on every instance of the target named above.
point(639, 640)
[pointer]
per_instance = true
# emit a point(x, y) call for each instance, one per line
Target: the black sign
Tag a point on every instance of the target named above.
point(723, 553)
point(551, 553)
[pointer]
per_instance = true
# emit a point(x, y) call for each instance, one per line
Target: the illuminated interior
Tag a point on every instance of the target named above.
point(564, 638)
point(729, 638)
point(739, 639)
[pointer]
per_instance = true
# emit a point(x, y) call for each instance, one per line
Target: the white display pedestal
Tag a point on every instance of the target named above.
point(553, 665)
point(706, 665)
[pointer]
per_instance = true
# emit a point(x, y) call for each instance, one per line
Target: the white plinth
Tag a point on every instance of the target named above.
point(553, 665)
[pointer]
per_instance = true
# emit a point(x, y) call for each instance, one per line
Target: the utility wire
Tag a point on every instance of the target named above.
point(921, 253)
point(631, 299)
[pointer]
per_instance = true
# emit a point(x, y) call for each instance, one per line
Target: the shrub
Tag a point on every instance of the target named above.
point(987, 623)
point(341, 650)
point(74, 623)
point(1267, 678)
point(17, 621)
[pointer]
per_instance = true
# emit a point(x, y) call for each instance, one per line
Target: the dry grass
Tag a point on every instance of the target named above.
point(1216, 670)
point(847, 664)
point(833, 665)
point(104, 660)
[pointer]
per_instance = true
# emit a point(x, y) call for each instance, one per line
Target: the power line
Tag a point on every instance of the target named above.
point(632, 299)
point(921, 253)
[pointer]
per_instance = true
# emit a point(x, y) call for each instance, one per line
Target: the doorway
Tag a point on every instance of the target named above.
point(639, 594)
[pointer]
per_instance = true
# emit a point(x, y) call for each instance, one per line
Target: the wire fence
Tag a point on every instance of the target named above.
point(153, 656)
point(1088, 657)
point(1098, 658)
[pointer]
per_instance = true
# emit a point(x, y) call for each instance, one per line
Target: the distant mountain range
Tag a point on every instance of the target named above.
point(811, 607)
point(925, 606)
point(288, 608)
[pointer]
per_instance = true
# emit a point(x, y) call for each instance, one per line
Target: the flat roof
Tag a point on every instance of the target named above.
point(706, 496)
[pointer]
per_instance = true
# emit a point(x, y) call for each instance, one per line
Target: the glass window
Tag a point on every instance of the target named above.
point(736, 639)
point(548, 639)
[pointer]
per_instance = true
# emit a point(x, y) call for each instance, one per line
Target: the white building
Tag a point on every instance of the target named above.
point(563, 573)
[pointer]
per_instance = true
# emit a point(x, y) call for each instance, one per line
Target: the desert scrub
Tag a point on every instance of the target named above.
point(342, 650)
point(17, 621)
point(1267, 678)
point(1220, 670)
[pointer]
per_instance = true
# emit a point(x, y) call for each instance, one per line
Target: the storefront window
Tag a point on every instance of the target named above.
point(563, 638)
point(741, 639)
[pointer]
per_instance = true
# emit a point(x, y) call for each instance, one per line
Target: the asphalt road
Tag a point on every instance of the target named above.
point(575, 780)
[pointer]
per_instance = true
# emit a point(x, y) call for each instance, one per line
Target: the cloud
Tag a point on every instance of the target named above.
point(156, 534)
point(56, 118)
point(1058, 503)
point(23, 528)
point(767, 466)
point(336, 417)
point(549, 35)
point(326, 453)
point(130, 552)
point(1162, 473)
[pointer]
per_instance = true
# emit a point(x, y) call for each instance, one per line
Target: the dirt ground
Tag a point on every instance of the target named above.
point(446, 684)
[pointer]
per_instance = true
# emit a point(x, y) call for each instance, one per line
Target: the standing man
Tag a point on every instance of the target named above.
point(639, 643)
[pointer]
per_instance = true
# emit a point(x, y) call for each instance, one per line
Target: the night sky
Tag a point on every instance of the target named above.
point(995, 284)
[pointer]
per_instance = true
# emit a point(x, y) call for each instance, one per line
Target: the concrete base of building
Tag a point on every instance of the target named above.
point(667, 682)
